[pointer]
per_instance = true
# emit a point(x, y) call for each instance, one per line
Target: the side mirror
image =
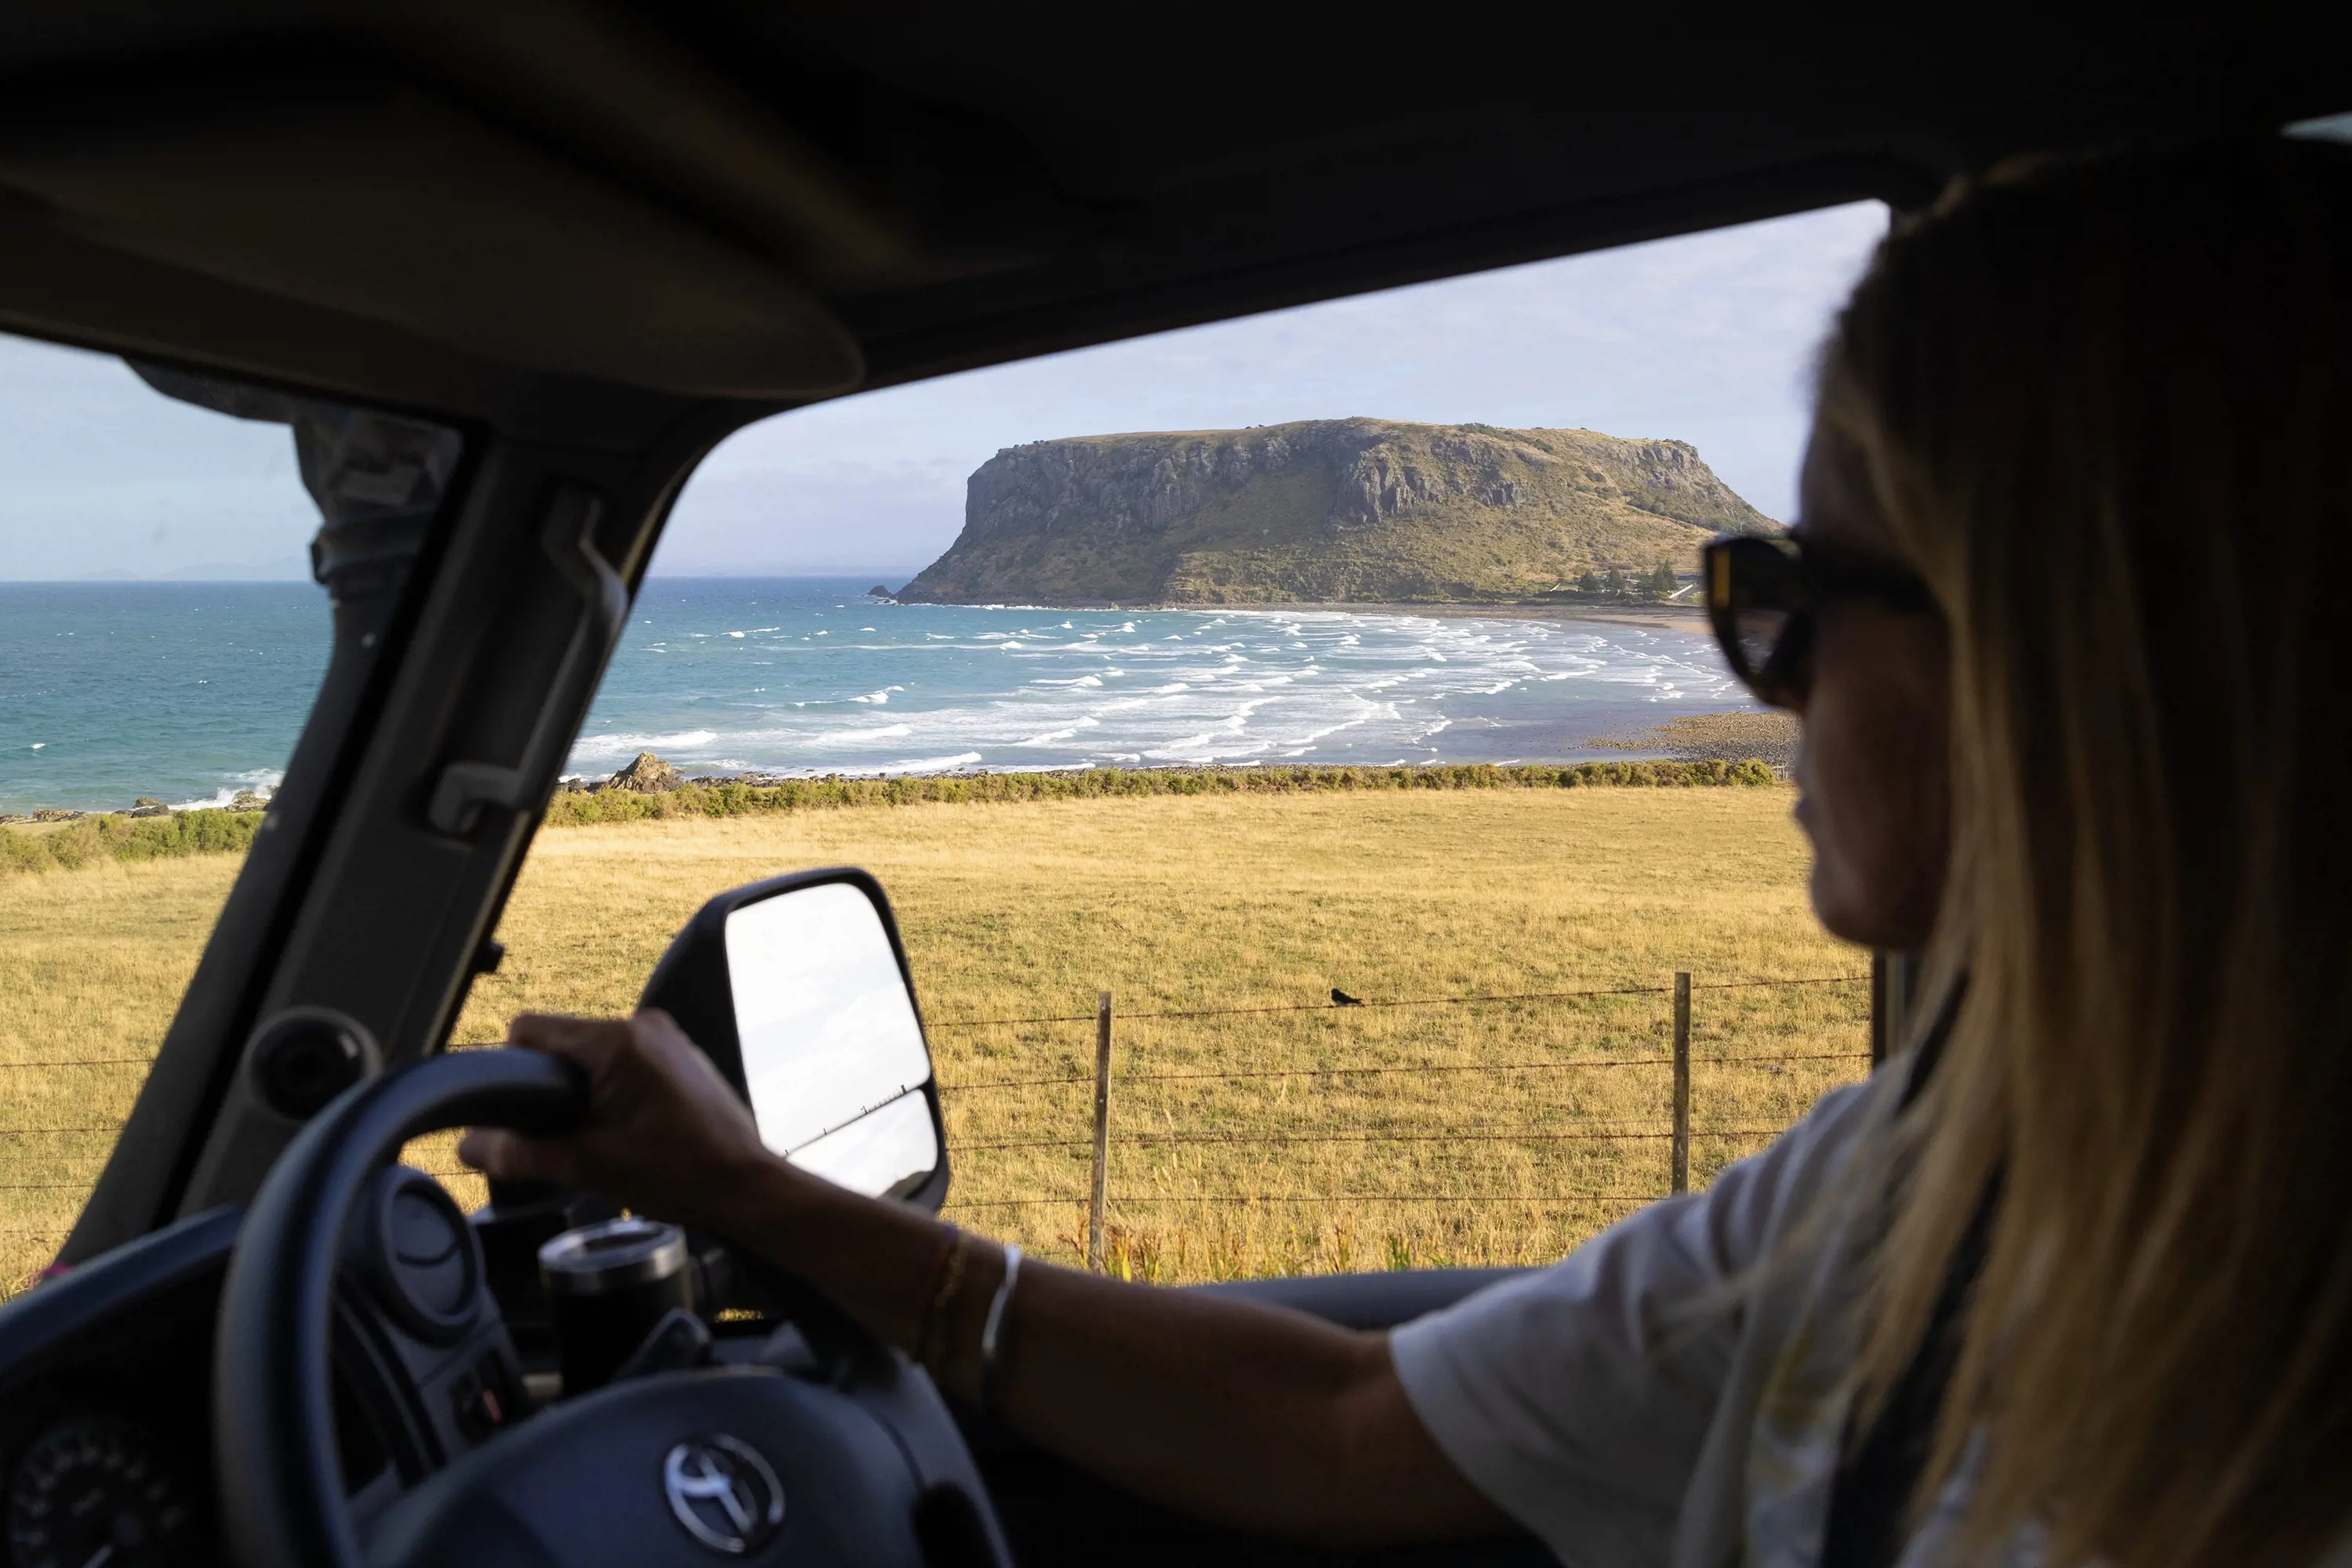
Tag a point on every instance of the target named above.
point(798, 989)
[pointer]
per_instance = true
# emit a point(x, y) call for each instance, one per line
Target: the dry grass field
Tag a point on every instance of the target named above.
point(1544, 1120)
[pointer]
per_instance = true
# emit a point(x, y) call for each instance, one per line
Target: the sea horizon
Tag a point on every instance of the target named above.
point(190, 691)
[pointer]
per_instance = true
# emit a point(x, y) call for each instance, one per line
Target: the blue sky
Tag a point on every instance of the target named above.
point(1707, 338)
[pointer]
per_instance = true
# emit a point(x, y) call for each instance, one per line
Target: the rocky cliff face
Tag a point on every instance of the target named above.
point(1325, 512)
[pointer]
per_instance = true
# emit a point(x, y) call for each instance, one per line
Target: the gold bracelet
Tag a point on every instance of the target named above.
point(931, 1338)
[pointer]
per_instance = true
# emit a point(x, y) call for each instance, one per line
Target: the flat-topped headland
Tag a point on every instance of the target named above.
point(1334, 511)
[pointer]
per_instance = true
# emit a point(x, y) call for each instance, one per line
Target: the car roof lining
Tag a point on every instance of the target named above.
point(545, 207)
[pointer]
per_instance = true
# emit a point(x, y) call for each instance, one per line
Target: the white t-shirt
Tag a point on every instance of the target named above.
point(1650, 1400)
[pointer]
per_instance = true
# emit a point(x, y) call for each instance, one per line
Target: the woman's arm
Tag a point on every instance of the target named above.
point(1246, 1415)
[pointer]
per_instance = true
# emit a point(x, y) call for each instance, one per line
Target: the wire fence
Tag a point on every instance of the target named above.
point(1555, 1100)
point(1444, 1138)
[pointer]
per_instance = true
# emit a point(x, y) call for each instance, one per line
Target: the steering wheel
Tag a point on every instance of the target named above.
point(865, 1468)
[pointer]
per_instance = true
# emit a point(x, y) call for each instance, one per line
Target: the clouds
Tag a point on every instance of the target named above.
point(1707, 338)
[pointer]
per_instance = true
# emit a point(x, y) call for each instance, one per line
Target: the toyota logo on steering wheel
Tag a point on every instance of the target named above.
point(723, 1492)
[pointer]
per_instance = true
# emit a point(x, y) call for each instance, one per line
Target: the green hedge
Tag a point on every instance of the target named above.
point(112, 838)
point(806, 794)
point(92, 838)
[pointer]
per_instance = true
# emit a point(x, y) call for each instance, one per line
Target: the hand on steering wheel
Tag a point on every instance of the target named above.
point(868, 1470)
point(664, 1134)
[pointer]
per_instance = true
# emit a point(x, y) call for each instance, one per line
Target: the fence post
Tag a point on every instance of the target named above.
point(1682, 1082)
point(1102, 1131)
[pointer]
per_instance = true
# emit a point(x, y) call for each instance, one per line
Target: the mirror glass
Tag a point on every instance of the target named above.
point(832, 1055)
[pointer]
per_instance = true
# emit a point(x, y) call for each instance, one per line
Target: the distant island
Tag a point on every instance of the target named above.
point(1333, 512)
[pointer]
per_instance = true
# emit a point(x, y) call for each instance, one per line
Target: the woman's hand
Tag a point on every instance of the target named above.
point(665, 1134)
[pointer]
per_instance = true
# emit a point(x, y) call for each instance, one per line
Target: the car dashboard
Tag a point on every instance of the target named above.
point(106, 1375)
point(106, 1400)
point(105, 1404)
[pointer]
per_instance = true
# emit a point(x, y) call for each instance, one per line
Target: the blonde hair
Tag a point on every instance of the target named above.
point(2106, 406)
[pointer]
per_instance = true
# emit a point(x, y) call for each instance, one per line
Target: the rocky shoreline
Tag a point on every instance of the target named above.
point(244, 800)
point(1766, 738)
point(1769, 738)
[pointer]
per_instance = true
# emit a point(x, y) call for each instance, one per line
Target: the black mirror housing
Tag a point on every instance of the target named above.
point(695, 985)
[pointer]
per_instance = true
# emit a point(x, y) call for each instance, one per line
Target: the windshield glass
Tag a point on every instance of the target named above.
point(1300, 690)
point(161, 639)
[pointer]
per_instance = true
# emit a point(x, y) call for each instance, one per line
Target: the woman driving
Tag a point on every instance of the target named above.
point(2070, 1281)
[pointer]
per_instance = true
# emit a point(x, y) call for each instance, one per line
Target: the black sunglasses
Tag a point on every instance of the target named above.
point(1763, 594)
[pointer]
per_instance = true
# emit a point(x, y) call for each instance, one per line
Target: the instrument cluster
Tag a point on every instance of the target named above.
point(106, 1446)
point(100, 1492)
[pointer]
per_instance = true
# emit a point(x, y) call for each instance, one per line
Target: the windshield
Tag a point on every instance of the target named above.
point(162, 636)
point(1298, 689)
point(1316, 708)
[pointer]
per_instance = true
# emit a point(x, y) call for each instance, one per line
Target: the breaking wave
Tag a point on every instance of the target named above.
point(1015, 688)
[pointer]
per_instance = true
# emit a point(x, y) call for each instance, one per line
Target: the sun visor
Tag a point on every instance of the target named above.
point(391, 204)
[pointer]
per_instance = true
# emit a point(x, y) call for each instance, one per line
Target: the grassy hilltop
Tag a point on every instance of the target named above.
point(1326, 511)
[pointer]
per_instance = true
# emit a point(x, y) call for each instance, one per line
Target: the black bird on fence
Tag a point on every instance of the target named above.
point(1341, 999)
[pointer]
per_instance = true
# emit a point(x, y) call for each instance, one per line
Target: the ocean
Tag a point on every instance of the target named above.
point(190, 692)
